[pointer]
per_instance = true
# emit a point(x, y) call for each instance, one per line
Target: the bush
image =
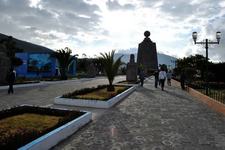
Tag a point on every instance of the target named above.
point(83, 91)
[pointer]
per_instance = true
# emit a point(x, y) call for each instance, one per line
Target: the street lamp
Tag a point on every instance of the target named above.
point(206, 42)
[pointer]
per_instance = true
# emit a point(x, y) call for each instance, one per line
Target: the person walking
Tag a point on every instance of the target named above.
point(169, 77)
point(162, 77)
point(182, 80)
point(156, 74)
point(11, 79)
point(141, 77)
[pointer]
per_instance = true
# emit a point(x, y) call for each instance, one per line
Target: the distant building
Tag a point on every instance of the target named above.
point(37, 60)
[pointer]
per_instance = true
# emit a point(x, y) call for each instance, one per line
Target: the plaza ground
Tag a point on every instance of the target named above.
point(148, 119)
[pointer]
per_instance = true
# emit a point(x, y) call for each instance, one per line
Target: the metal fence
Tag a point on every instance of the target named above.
point(216, 93)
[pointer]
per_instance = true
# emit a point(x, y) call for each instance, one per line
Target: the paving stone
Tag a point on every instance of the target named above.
point(148, 119)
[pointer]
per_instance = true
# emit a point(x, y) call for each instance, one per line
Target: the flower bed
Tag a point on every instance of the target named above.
point(95, 97)
point(29, 127)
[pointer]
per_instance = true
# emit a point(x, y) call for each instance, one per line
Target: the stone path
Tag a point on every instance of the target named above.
point(148, 119)
point(151, 119)
point(45, 93)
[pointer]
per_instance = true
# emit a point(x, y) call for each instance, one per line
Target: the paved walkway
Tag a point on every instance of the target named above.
point(43, 94)
point(148, 119)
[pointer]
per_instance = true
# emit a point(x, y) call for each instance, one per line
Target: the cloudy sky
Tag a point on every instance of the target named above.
point(94, 26)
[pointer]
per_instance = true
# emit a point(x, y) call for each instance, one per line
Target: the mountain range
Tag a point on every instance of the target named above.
point(162, 58)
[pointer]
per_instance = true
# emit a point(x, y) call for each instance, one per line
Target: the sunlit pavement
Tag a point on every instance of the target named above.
point(148, 119)
point(151, 119)
point(43, 94)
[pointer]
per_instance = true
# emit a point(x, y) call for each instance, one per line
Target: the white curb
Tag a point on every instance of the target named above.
point(94, 103)
point(52, 138)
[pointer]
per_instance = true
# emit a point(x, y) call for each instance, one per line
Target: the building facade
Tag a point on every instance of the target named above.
point(37, 61)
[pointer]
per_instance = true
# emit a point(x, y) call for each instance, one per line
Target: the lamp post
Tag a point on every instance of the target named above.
point(206, 42)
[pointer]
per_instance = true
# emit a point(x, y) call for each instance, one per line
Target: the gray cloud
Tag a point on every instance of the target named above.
point(215, 25)
point(115, 5)
point(73, 6)
point(55, 20)
point(206, 16)
point(69, 17)
point(182, 9)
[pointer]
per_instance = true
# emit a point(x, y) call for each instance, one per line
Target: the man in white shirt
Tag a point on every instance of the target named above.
point(162, 77)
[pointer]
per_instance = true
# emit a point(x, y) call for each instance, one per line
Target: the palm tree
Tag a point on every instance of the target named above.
point(64, 58)
point(110, 67)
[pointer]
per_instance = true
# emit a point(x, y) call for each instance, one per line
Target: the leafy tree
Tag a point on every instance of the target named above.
point(195, 68)
point(217, 72)
point(110, 67)
point(10, 45)
point(16, 61)
point(64, 58)
point(192, 64)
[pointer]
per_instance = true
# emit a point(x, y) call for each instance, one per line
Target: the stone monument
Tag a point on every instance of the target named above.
point(131, 75)
point(147, 55)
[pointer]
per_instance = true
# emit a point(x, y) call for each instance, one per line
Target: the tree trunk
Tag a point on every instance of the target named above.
point(110, 87)
point(63, 74)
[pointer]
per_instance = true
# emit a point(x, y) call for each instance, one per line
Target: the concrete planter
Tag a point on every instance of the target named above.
point(94, 103)
point(129, 84)
point(52, 138)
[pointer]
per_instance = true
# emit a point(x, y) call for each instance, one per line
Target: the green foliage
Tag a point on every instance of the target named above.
point(110, 66)
point(83, 64)
point(190, 73)
point(83, 91)
point(10, 45)
point(16, 61)
point(64, 58)
point(195, 68)
point(217, 72)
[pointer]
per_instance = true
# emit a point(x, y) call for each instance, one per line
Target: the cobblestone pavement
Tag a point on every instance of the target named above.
point(148, 119)
point(151, 119)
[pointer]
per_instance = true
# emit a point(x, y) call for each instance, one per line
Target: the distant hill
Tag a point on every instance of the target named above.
point(27, 46)
point(162, 58)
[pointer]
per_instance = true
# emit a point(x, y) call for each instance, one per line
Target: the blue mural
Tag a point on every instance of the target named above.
point(39, 63)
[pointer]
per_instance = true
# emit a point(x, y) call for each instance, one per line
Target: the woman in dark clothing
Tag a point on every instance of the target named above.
point(156, 74)
point(182, 80)
point(141, 77)
point(11, 79)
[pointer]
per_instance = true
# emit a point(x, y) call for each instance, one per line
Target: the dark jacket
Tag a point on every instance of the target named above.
point(141, 75)
point(11, 77)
